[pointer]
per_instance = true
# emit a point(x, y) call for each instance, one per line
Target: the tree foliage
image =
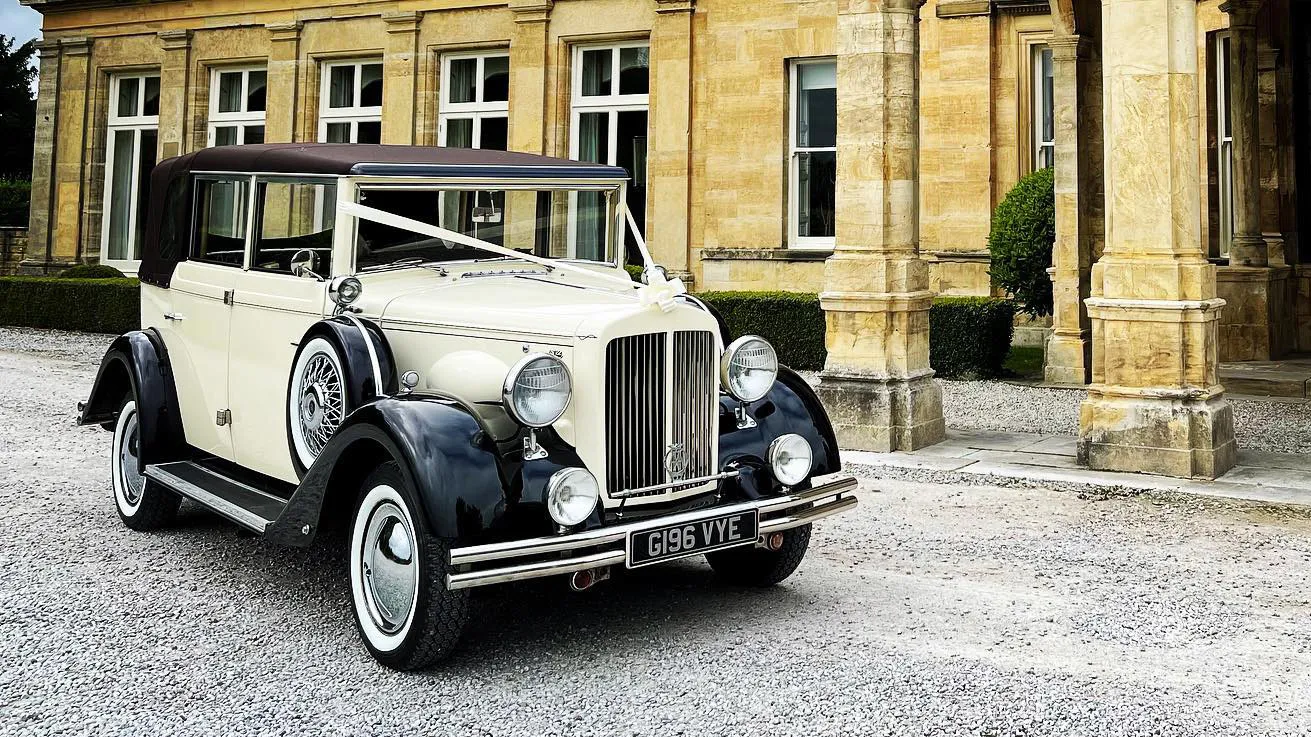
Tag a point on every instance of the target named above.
point(17, 108)
point(1023, 232)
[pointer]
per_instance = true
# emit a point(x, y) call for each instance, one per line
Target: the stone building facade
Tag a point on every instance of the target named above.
point(850, 147)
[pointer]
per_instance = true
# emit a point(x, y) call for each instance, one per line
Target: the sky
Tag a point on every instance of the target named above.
point(19, 21)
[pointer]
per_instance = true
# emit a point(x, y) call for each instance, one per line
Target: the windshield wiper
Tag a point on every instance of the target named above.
point(405, 263)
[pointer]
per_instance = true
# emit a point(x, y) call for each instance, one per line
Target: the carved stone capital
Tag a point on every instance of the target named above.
point(47, 48)
point(1242, 13)
point(531, 11)
point(174, 40)
point(675, 6)
point(1071, 48)
point(402, 22)
point(284, 31)
point(79, 46)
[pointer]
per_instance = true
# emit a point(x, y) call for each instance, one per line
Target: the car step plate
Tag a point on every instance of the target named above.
point(660, 544)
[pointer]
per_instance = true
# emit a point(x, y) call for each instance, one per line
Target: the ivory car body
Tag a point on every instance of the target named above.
point(439, 352)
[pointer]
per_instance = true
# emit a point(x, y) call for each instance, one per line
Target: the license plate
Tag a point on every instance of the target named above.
point(692, 538)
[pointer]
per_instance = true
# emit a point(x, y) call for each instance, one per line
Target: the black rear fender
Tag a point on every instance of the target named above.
point(136, 367)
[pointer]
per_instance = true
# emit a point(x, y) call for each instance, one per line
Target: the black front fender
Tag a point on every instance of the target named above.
point(136, 366)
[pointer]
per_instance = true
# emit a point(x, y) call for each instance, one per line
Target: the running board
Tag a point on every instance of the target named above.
point(242, 503)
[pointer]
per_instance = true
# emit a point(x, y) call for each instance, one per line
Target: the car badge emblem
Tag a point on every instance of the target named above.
point(677, 461)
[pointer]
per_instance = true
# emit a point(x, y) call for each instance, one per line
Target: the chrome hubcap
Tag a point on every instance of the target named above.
point(321, 402)
point(391, 577)
point(128, 455)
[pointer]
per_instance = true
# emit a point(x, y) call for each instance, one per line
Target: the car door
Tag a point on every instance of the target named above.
point(197, 327)
point(271, 310)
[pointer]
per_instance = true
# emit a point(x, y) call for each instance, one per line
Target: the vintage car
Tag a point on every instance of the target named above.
point(439, 353)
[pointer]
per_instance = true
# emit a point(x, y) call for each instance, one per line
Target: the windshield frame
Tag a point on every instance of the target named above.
point(349, 190)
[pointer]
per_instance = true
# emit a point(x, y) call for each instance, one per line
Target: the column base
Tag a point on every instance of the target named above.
point(1187, 438)
point(883, 415)
point(1069, 359)
point(1256, 323)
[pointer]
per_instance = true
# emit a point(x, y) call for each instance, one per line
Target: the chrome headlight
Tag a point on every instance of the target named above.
point(571, 495)
point(791, 459)
point(748, 368)
point(344, 289)
point(537, 390)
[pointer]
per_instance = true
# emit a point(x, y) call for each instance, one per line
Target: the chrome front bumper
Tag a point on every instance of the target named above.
point(482, 565)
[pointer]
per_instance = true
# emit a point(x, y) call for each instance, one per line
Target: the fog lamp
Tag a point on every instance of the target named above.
point(345, 289)
point(571, 495)
point(791, 459)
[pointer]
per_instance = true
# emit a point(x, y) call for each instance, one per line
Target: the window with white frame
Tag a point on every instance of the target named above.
point(1043, 124)
point(350, 102)
point(236, 106)
point(131, 147)
point(1224, 137)
point(610, 89)
point(813, 152)
point(475, 100)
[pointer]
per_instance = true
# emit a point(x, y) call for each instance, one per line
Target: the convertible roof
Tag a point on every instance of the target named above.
point(371, 159)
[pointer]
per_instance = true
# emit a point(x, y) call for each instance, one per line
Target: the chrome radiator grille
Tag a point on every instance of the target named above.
point(660, 414)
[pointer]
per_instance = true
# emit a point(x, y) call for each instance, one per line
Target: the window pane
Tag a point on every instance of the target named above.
point(594, 137)
point(225, 135)
point(630, 153)
point(634, 71)
point(288, 225)
point(496, 79)
point(229, 92)
point(494, 134)
point(120, 195)
point(254, 134)
point(151, 104)
point(255, 91)
point(128, 91)
point(1048, 98)
point(596, 72)
point(816, 184)
point(339, 133)
point(461, 87)
point(459, 132)
point(221, 221)
point(817, 106)
point(370, 132)
point(371, 85)
point(146, 152)
point(341, 86)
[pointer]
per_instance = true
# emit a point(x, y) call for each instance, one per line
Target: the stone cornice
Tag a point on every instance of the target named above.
point(284, 31)
point(174, 40)
point(675, 6)
point(1023, 7)
point(47, 48)
point(402, 22)
point(531, 11)
point(78, 46)
point(964, 8)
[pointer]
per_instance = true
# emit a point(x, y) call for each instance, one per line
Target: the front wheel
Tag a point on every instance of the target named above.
point(316, 399)
point(750, 566)
point(405, 614)
point(142, 504)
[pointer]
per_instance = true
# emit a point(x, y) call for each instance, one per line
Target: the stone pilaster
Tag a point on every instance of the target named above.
point(74, 95)
point(39, 235)
point(1079, 206)
point(1248, 247)
point(173, 91)
point(877, 383)
point(1155, 403)
point(528, 46)
point(668, 156)
point(283, 82)
point(399, 74)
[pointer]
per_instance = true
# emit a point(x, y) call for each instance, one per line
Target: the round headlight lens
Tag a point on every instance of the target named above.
point(537, 390)
point(748, 368)
point(344, 290)
point(791, 459)
point(571, 495)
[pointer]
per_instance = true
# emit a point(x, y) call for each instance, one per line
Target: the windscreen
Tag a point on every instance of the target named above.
point(551, 223)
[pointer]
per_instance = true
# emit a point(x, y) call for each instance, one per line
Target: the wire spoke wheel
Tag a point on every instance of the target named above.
point(317, 403)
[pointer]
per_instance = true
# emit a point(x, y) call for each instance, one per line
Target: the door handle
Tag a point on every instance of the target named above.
point(174, 316)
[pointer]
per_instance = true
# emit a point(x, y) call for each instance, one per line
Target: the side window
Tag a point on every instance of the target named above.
point(221, 206)
point(294, 216)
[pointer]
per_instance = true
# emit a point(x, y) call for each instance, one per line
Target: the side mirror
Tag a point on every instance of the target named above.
point(646, 273)
point(305, 263)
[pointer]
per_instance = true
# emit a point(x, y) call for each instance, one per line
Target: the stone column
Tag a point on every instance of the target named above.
point(74, 94)
point(1155, 404)
point(1248, 248)
point(173, 91)
point(528, 46)
point(877, 383)
point(668, 154)
point(283, 89)
point(1076, 72)
point(39, 228)
point(399, 73)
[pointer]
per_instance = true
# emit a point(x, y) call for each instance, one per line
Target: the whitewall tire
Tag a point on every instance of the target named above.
point(406, 616)
point(316, 399)
point(142, 504)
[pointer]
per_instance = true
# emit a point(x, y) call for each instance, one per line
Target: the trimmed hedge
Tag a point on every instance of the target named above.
point(969, 337)
point(91, 271)
point(791, 321)
point(89, 305)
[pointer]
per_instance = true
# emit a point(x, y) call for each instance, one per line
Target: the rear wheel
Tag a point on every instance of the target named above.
point(406, 616)
point(751, 566)
point(142, 504)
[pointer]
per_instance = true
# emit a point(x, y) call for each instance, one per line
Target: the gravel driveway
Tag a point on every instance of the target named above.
point(931, 610)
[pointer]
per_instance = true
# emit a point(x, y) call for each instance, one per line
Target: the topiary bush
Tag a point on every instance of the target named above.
point(1023, 232)
point(91, 271)
point(969, 337)
point(88, 305)
point(791, 321)
point(15, 201)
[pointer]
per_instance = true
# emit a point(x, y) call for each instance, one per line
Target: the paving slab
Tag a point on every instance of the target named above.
point(1026, 458)
point(903, 460)
point(994, 440)
point(1062, 445)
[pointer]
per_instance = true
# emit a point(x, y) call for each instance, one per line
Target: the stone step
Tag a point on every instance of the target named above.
point(1290, 378)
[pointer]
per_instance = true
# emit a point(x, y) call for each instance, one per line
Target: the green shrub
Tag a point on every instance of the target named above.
point(91, 271)
point(15, 200)
point(969, 337)
point(792, 322)
point(1023, 231)
point(634, 272)
point(90, 305)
